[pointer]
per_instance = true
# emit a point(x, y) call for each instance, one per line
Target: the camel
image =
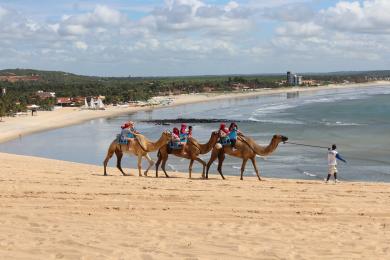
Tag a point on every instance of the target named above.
point(190, 151)
point(140, 147)
point(247, 148)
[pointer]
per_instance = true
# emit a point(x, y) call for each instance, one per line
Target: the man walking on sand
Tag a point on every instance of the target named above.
point(333, 155)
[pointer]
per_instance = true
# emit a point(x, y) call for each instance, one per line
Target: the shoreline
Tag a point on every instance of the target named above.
point(15, 127)
point(113, 171)
point(57, 209)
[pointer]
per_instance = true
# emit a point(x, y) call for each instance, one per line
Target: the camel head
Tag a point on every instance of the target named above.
point(214, 135)
point(280, 138)
point(166, 135)
point(214, 139)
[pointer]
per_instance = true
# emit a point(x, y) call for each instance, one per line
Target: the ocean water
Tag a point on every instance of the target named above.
point(357, 120)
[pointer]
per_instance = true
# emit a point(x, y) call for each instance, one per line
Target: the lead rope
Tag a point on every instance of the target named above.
point(307, 145)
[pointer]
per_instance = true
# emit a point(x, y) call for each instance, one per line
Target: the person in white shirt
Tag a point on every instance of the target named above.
point(333, 156)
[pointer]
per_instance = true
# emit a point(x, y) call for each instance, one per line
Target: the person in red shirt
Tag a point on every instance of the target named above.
point(175, 135)
point(223, 134)
point(223, 131)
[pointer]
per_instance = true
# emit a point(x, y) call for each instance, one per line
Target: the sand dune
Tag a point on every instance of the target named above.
point(55, 209)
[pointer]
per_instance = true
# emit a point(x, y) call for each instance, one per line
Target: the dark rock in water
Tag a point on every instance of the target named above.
point(189, 121)
point(156, 123)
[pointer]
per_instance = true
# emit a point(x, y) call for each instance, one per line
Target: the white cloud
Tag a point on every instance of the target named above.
point(81, 45)
point(3, 12)
point(194, 15)
point(73, 29)
point(54, 27)
point(297, 12)
point(107, 15)
point(347, 34)
point(309, 29)
point(366, 17)
point(91, 22)
point(198, 36)
point(231, 6)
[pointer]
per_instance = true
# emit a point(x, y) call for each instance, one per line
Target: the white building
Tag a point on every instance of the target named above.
point(96, 103)
point(43, 94)
point(294, 79)
point(297, 80)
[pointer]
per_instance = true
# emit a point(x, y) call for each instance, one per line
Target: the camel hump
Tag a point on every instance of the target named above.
point(192, 139)
point(140, 137)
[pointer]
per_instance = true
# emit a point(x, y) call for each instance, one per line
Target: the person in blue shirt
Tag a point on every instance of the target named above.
point(183, 134)
point(128, 133)
point(333, 156)
point(124, 132)
point(233, 131)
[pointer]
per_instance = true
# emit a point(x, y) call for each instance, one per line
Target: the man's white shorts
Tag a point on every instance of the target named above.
point(332, 169)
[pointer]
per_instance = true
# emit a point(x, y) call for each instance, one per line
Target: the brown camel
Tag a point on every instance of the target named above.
point(247, 148)
point(190, 151)
point(140, 147)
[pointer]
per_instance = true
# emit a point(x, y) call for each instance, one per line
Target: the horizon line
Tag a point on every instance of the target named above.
point(205, 75)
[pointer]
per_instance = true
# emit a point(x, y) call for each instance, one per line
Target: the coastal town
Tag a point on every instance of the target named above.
point(32, 101)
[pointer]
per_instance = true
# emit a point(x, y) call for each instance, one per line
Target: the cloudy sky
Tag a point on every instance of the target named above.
point(194, 37)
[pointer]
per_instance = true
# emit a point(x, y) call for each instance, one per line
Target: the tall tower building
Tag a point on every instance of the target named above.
point(290, 78)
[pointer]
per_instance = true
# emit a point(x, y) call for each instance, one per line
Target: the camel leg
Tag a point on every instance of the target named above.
point(203, 164)
point(105, 162)
point(158, 163)
point(119, 156)
point(190, 168)
point(151, 163)
point(243, 167)
point(255, 166)
point(221, 158)
point(139, 164)
point(213, 157)
point(164, 161)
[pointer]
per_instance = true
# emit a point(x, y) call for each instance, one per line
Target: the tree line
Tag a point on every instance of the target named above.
point(123, 89)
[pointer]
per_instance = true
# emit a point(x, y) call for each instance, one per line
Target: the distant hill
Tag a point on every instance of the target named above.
point(45, 75)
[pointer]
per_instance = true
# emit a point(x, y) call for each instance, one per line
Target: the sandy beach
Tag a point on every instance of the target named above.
point(15, 127)
point(54, 209)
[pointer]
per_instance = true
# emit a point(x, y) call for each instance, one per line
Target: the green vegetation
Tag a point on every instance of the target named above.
point(123, 89)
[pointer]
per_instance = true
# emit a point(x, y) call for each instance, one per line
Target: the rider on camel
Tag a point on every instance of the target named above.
point(183, 134)
point(190, 131)
point(128, 133)
point(175, 135)
point(233, 131)
point(223, 133)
